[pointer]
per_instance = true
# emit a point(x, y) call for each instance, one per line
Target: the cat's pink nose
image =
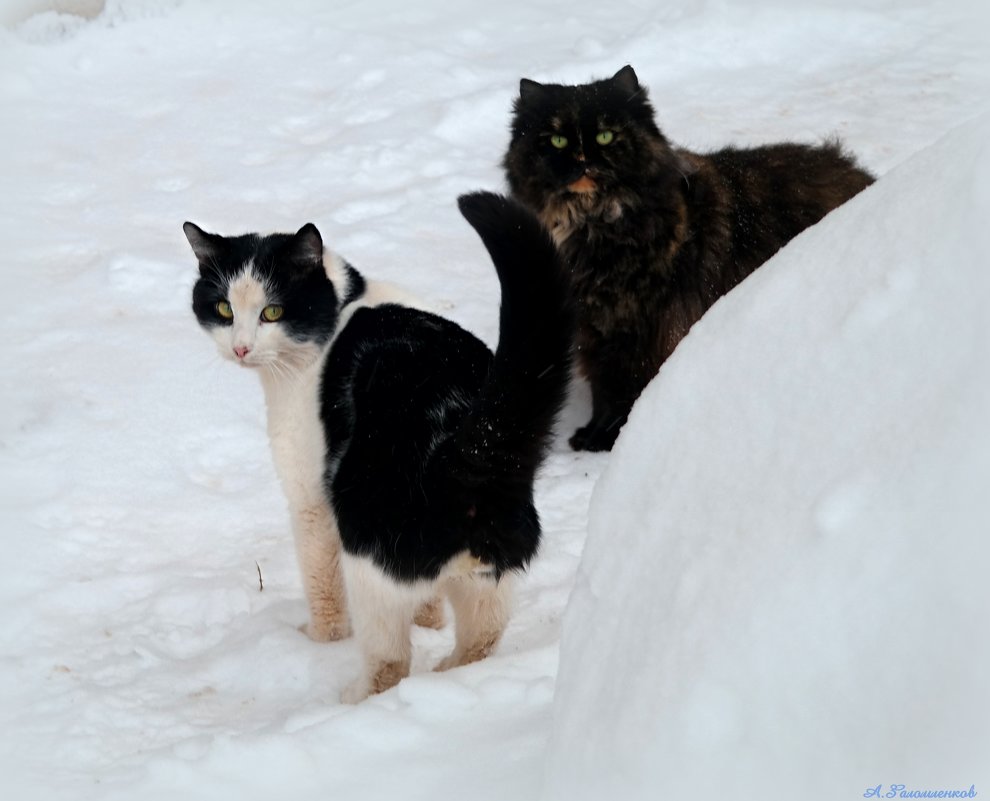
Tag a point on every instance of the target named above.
point(240, 351)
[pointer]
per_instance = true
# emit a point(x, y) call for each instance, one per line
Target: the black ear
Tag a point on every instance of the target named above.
point(204, 245)
point(307, 244)
point(627, 81)
point(530, 91)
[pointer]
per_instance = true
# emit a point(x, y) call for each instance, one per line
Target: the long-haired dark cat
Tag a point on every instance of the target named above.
point(407, 451)
point(652, 234)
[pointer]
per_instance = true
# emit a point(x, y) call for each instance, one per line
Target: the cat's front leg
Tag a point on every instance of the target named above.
point(617, 371)
point(318, 550)
point(608, 415)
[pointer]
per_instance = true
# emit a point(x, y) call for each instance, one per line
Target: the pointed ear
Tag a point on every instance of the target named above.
point(627, 81)
point(307, 244)
point(530, 91)
point(204, 245)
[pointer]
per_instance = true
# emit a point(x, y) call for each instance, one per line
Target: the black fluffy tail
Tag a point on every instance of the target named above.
point(494, 454)
point(506, 435)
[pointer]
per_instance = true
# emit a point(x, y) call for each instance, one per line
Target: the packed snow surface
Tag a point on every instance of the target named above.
point(804, 474)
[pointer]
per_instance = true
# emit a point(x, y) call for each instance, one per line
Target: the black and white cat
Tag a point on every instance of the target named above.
point(406, 449)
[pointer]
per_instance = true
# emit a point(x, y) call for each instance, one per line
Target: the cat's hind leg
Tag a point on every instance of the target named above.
point(481, 612)
point(430, 615)
point(382, 612)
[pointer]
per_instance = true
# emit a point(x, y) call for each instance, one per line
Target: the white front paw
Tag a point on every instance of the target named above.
point(355, 692)
point(326, 632)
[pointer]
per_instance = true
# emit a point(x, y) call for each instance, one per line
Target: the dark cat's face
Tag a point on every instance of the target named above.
point(266, 301)
point(590, 139)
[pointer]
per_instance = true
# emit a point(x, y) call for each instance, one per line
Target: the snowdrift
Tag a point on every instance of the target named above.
point(783, 592)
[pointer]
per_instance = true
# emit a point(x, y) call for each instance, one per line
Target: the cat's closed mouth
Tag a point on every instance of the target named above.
point(583, 185)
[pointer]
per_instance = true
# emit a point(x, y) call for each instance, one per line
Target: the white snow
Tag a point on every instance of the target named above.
point(139, 656)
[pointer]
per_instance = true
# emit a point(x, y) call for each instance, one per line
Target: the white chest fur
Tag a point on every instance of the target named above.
point(295, 431)
point(299, 449)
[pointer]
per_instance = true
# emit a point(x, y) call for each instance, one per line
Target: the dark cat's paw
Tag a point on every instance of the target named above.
point(594, 438)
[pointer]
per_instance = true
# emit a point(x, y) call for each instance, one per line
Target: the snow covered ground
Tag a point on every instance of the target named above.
point(139, 514)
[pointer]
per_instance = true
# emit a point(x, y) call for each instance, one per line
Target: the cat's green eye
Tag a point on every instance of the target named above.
point(558, 141)
point(270, 314)
point(605, 137)
point(224, 310)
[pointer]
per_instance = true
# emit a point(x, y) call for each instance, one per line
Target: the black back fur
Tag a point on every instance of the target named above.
point(653, 235)
point(434, 442)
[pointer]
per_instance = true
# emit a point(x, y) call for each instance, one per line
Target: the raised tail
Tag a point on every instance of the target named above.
point(507, 433)
point(492, 458)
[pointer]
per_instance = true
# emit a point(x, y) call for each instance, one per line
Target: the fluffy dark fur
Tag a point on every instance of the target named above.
point(652, 234)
